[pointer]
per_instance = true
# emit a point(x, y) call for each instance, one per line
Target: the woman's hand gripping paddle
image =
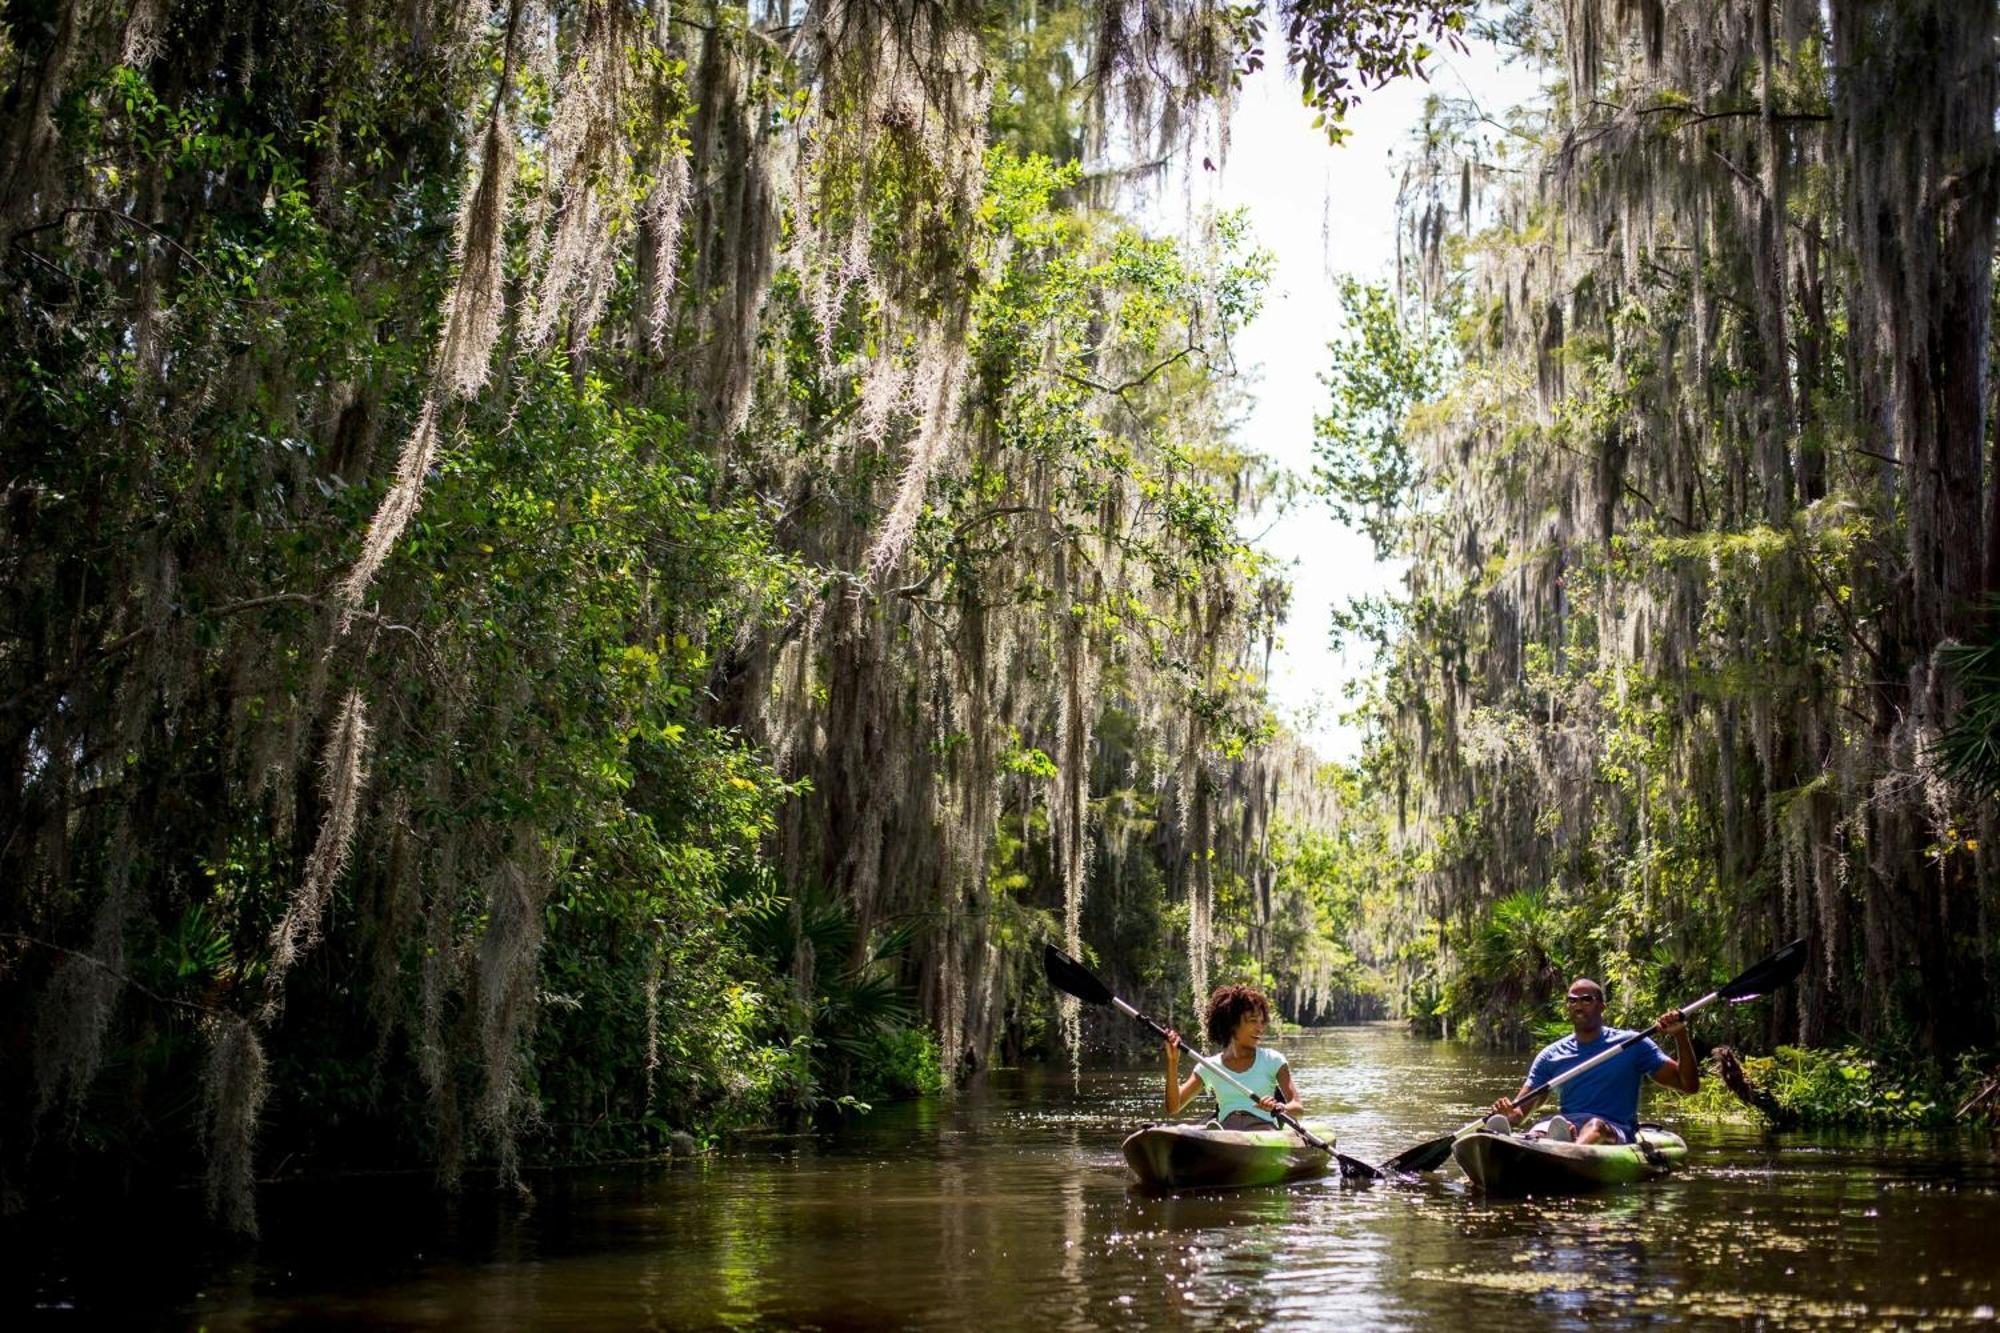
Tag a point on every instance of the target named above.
point(1760, 980)
point(1073, 978)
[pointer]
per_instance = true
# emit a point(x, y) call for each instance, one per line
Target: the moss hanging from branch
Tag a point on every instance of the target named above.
point(1677, 595)
point(717, 470)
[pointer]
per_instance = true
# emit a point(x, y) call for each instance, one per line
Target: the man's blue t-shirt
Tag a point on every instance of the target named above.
point(1611, 1090)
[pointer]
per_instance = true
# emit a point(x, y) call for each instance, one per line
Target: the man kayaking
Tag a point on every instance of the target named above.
point(1235, 1021)
point(1600, 1105)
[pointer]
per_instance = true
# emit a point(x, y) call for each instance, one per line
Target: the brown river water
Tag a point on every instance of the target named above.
point(1007, 1206)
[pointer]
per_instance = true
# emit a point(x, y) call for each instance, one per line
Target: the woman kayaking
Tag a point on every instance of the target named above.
point(1235, 1021)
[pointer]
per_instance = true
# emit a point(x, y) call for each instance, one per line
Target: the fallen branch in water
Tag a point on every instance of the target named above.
point(1985, 1102)
point(1730, 1069)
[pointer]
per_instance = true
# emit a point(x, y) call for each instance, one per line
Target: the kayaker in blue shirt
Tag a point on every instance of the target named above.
point(1235, 1021)
point(1600, 1105)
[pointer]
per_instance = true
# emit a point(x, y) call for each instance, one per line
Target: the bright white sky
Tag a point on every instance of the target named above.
point(1323, 212)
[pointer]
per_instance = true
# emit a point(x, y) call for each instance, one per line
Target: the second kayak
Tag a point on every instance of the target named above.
point(1513, 1164)
point(1180, 1157)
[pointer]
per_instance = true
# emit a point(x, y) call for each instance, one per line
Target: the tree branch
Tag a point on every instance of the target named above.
point(1847, 621)
point(1697, 115)
point(1119, 390)
point(917, 589)
point(124, 978)
point(64, 215)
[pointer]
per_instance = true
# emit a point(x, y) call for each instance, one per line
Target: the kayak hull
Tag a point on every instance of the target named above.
point(1188, 1157)
point(1510, 1164)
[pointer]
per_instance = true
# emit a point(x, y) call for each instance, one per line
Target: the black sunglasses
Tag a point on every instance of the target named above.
point(1583, 999)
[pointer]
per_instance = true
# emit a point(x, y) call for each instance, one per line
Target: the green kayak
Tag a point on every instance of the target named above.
point(1512, 1164)
point(1185, 1157)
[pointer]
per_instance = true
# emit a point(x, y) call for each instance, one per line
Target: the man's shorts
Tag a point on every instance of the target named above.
point(1616, 1135)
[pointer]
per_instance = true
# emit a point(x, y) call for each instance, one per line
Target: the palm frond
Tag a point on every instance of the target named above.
point(1970, 745)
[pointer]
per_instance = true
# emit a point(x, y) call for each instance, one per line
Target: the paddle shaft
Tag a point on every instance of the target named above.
point(1284, 1118)
point(1604, 1055)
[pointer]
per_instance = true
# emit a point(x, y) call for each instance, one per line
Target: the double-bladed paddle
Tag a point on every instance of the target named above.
point(1073, 978)
point(1758, 981)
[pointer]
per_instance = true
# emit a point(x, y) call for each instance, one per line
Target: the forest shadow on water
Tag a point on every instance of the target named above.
point(1009, 1206)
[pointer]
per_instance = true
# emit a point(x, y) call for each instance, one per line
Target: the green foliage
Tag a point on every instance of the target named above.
point(1339, 48)
point(1847, 1086)
point(1684, 664)
point(1515, 953)
point(1389, 362)
point(1040, 114)
point(474, 854)
point(1970, 746)
point(845, 1008)
point(1327, 941)
point(536, 659)
point(899, 1062)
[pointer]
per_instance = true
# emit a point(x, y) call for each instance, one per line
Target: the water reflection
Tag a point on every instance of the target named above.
point(1009, 1207)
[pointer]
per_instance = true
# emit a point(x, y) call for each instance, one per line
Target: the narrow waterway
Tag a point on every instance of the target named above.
point(1007, 1207)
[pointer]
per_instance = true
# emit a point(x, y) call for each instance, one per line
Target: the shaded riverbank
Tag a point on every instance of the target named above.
point(1007, 1206)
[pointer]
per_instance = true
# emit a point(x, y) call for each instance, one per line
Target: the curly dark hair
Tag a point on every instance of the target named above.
point(1229, 1006)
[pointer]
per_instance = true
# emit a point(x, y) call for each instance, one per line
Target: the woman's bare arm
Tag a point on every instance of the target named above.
point(1179, 1094)
point(1287, 1090)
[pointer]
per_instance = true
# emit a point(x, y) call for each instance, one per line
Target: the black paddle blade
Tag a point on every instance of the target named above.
point(1426, 1156)
point(1353, 1168)
point(1073, 978)
point(1762, 978)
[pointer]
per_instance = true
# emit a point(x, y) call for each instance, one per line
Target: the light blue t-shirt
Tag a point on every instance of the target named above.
point(1262, 1076)
point(1610, 1091)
